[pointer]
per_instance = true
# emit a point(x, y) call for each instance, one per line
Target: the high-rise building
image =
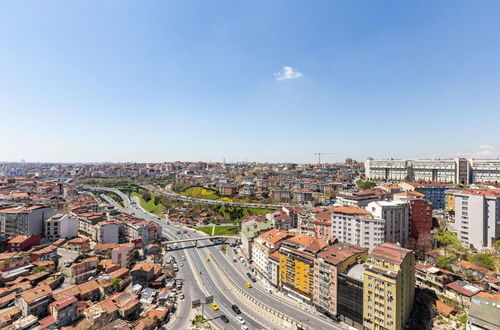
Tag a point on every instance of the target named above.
point(397, 219)
point(477, 217)
point(389, 287)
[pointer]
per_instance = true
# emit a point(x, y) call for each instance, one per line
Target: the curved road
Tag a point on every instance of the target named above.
point(276, 302)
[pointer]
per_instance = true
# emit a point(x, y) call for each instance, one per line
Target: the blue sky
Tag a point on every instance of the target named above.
point(205, 80)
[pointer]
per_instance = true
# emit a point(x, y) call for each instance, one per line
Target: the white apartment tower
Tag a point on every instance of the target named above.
point(397, 219)
point(477, 217)
point(357, 226)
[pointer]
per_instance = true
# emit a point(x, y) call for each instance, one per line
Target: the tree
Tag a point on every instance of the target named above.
point(117, 284)
point(483, 260)
point(444, 263)
point(496, 244)
point(39, 269)
point(365, 184)
point(447, 239)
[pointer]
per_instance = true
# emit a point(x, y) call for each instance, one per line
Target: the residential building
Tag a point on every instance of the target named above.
point(24, 220)
point(35, 301)
point(301, 196)
point(250, 228)
point(442, 170)
point(246, 191)
point(122, 255)
point(84, 270)
point(432, 277)
point(80, 244)
point(61, 226)
point(144, 272)
point(282, 220)
point(388, 286)
point(280, 195)
point(323, 225)
point(63, 310)
point(361, 198)
point(107, 232)
point(477, 217)
point(420, 218)
point(484, 312)
point(227, 189)
point(22, 243)
point(434, 192)
point(296, 266)
point(264, 245)
point(350, 296)
point(396, 215)
point(357, 226)
point(329, 262)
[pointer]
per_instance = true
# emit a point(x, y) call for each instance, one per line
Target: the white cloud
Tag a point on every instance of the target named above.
point(486, 146)
point(287, 73)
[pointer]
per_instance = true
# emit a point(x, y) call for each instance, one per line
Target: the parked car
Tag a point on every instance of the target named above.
point(224, 318)
point(241, 320)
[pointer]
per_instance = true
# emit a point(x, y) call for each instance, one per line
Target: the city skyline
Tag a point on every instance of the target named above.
point(276, 82)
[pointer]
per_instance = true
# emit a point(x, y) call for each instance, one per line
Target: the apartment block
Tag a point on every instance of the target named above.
point(331, 261)
point(397, 219)
point(389, 287)
point(263, 246)
point(61, 226)
point(477, 217)
point(122, 255)
point(24, 220)
point(357, 226)
point(420, 218)
point(82, 271)
point(296, 266)
point(434, 192)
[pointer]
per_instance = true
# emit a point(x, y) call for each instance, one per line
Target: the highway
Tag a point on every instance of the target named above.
point(197, 274)
point(173, 195)
point(220, 290)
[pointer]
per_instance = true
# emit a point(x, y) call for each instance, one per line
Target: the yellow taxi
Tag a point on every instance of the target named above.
point(207, 258)
point(214, 306)
point(249, 285)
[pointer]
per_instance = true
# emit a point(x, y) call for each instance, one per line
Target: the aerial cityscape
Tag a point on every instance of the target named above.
point(249, 165)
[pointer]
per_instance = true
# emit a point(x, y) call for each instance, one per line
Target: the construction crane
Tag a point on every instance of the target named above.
point(324, 153)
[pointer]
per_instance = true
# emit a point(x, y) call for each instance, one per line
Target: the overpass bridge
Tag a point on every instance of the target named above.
point(224, 238)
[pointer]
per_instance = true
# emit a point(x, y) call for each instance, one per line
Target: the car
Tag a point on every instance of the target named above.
point(249, 275)
point(248, 285)
point(253, 279)
point(240, 319)
point(234, 260)
point(182, 264)
point(236, 309)
point(214, 306)
point(183, 257)
point(224, 318)
point(244, 327)
point(207, 258)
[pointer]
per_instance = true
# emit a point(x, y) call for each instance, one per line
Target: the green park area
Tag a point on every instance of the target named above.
point(221, 230)
point(148, 202)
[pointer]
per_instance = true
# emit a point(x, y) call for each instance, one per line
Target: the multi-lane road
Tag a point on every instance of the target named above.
point(203, 278)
